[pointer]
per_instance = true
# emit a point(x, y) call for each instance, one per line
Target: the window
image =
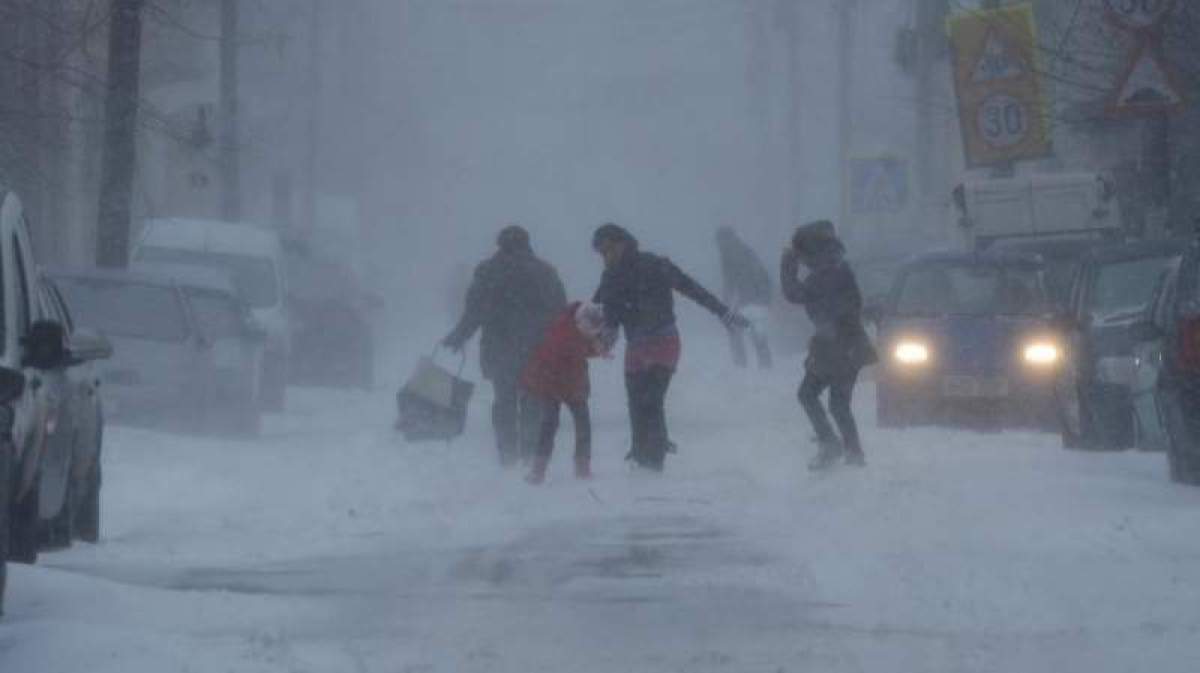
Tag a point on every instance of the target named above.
point(131, 310)
point(218, 316)
point(1123, 290)
point(967, 289)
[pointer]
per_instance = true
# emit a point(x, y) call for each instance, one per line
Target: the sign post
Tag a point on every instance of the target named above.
point(1000, 106)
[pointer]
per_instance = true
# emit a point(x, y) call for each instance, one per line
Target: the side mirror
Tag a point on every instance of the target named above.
point(87, 345)
point(1144, 330)
point(253, 329)
point(45, 346)
point(12, 385)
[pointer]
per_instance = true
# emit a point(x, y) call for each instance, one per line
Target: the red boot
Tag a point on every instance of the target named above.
point(583, 467)
point(537, 472)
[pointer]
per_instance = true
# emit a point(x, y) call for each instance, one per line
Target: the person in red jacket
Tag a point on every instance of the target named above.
point(557, 374)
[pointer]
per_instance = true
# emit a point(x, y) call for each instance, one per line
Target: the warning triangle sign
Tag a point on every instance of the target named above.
point(997, 61)
point(1147, 87)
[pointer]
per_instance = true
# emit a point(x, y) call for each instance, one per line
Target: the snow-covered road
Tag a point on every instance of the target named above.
point(331, 545)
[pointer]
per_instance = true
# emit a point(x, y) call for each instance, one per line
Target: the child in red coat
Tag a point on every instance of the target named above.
point(557, 374)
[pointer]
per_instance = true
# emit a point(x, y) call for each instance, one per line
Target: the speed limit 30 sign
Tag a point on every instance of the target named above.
point(996, 82)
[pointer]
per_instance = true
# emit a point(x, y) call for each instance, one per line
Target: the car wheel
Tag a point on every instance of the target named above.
point(87, 513)
point(58, 531)
point(23, 528)
point(6, 453)
point(274, 383)
point(887, 407)
point(1183, 454)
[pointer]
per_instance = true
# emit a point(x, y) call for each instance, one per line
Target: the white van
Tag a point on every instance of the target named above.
point(254, 257)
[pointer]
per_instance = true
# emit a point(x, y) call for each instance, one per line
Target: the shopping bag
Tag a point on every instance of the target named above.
point(432, 404)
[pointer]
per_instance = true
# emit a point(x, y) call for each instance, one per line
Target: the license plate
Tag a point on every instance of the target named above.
point(974, 387)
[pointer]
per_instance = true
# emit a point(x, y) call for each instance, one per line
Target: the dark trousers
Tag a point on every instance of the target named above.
point(841, 393)
point(762, 348)
point(582, 419)
point(515, 419)
point(647, 392)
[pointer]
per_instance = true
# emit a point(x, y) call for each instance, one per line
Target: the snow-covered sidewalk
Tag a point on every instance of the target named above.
point(331, 545)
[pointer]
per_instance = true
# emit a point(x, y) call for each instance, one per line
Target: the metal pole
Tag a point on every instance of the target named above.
point(231, 188)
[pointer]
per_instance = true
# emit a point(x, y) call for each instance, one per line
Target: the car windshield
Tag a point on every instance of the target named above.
point(254, 276)
point(126, 309)
point(970, 289)
point(217, 314)
point(1124, 289)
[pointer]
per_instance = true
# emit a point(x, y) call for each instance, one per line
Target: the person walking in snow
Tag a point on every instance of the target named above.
point(840, 346)
point(747, 288)
point(637, 294)
point(513, 297)
point(557, 375)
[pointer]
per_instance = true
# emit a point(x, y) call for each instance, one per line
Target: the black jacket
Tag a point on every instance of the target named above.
point(513, 297)
point(638, 294)
point(840, 345)
point(746, 281)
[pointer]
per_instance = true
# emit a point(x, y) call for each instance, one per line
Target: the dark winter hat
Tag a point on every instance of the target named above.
point(514, 238)
point(813, 234)
point(612, 232)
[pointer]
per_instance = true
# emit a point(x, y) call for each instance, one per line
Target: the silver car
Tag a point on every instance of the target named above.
point(170, 366)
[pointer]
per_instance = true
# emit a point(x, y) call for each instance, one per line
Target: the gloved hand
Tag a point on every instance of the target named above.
point(734, 320)
point(453, 343)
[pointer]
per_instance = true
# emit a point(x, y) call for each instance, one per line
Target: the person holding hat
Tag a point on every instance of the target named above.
point(747, 287)
point(514, 295)
point(840, 346)
point(637, 294)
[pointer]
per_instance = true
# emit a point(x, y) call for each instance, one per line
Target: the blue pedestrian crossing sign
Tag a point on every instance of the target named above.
point(878, 185)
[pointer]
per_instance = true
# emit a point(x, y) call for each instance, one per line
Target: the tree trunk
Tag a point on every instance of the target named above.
point(120, 134)
point(231, 187)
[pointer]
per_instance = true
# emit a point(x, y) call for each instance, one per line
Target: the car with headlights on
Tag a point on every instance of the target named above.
point(966, 340)
point(1166, 380)
point(1110, 296)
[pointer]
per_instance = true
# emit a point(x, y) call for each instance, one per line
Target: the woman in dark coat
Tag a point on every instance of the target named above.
point(637, 292)
point(839, 347)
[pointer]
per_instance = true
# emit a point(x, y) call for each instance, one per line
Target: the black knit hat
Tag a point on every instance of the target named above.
point(514, 238)
point(612, 232)
point(814, 234)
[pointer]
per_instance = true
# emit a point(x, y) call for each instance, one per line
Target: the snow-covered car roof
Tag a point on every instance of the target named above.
point(191, 276)
point(210, 236)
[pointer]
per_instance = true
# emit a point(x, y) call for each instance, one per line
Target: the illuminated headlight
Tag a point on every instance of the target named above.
point(1042, 353)
point(911, 353)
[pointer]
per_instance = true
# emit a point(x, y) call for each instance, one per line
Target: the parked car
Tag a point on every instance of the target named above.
point(254, 256)
point(1166, 380)
point(234, 337)
point(1062, 257)
point(1114, 287)
point(167, 370)
point(69, 495)
point(332, 323)
point(28, 422)
point(966, 340)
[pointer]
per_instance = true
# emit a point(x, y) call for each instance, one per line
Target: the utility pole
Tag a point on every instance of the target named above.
point(231, 187)
point(929, 161)
point(120, 133)
point(314, 117)
point(847, 13)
